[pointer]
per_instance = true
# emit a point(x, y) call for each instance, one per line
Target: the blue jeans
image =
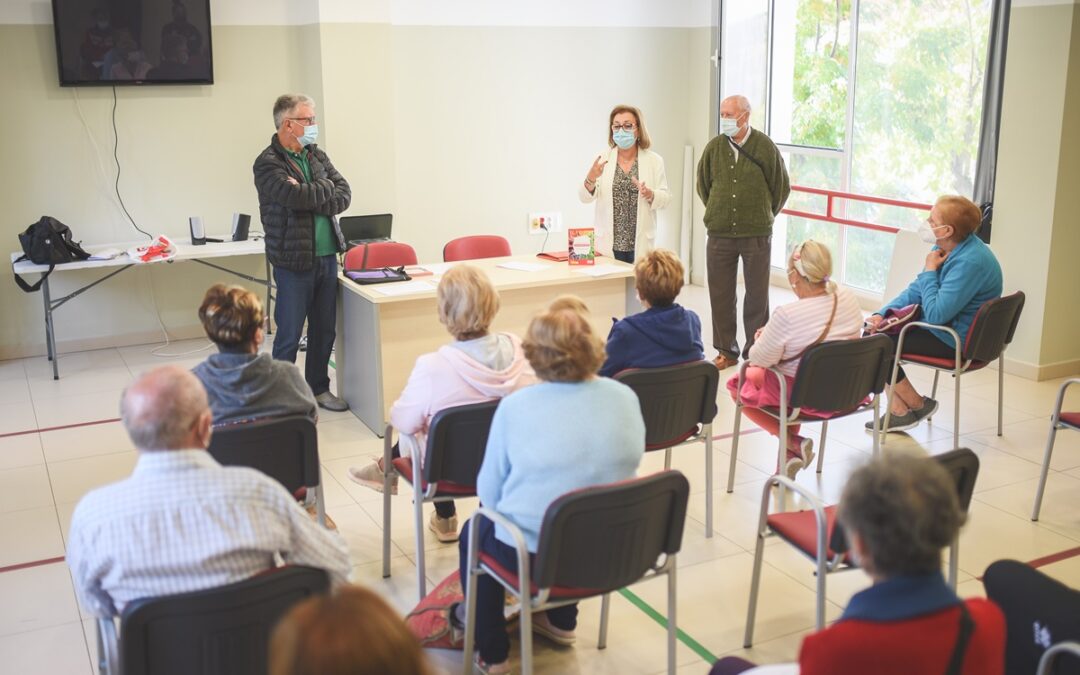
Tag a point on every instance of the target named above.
point(310, 295)
point(491, 638)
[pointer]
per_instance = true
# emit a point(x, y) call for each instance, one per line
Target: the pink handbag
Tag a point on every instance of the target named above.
point(895, 319)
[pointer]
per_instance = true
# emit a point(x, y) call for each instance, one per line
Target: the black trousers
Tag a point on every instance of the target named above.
point(443, 509)
point(920, 341)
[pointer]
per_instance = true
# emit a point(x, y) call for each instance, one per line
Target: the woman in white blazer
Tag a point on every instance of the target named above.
point(629, 186)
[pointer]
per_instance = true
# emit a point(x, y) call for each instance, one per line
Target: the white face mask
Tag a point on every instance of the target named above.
point(926, 233)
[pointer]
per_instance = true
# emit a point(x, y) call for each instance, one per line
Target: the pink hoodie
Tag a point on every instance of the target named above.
point(450, 377)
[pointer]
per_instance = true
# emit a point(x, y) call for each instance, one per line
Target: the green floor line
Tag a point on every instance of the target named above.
point(332, 364)
point(659, 618)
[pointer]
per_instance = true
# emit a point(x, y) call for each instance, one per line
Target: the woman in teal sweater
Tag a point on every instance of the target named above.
point(571, 431)
point(961, 274)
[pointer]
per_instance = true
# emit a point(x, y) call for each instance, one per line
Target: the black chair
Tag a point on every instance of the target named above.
point(456, 441)
point(678, 404)
point(991, 331)
point(1039, 612)
point(592, 542)
point(1052, 655)
point(284, 448)
point(219, 631)
point(1058, 420)
point(837, 375)
point(815, 533)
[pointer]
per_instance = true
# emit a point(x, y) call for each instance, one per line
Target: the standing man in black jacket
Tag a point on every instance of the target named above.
point(300, 196)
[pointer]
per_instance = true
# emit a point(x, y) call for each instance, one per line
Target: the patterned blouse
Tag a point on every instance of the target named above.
point(624, 200)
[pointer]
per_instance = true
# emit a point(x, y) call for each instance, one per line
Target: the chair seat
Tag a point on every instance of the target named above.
point(1071, 419)
point(943, 363)
point(557, 592)
point(810, 415)
point(799, 528)
point(403, 465)
point(664, 445)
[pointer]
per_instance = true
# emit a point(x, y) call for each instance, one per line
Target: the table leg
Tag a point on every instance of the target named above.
point(269, 299)
point(50, 330)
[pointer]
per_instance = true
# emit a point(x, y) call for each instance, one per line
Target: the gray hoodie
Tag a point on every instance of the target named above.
point(248, 386)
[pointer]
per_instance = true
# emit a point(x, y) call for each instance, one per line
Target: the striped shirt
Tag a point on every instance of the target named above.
point(182, 522)
point(794, 326)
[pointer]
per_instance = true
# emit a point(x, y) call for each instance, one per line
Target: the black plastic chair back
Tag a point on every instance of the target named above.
point(962, 465)
point(456, 441)
point(838, 375)
point(284, 448)
point(220, 631)
point(609, 536)
point(993, 327)
point(674, 399)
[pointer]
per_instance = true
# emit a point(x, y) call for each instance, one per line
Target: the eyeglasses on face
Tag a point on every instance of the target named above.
point(306, 121)
point(629, 126)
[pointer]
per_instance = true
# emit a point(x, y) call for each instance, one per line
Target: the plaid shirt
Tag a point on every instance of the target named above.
point(182, 522)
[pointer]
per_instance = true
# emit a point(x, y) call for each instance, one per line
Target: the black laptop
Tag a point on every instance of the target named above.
point(366, 229)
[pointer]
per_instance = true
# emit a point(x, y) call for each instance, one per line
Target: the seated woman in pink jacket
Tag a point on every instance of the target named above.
point(823, 312)
point(477, 366)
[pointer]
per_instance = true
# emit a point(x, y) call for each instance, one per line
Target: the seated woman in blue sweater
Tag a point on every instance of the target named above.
point(571, 431)
point(961, 273)
point(664, 334)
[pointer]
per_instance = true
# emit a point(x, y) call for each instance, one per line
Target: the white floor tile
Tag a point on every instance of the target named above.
point(93, 440)
point(65, 410)
point(36, 598)
point(73, 479)
point(56, 650)
point(29, 536)
point(25, 487)
point(21, 450)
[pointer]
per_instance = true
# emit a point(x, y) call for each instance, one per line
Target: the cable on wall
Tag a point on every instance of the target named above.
point(116, 158)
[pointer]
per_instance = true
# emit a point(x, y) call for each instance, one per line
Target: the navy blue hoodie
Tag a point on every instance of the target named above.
point(659, 336)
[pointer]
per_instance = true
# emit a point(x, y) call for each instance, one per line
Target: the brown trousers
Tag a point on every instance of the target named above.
point(722, 256)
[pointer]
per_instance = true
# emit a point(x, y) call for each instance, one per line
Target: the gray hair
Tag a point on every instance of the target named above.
point(160, 408)
point(905, 509)
point(286, 103)
point(741, 101)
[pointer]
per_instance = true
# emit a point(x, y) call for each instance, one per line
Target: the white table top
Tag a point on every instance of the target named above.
point(554, 273)
point(184, 251)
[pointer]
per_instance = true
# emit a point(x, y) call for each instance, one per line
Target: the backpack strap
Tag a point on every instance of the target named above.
point(963, 637)
point(29, 288)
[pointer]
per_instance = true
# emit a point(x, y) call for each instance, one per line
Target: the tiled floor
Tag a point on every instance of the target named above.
point(43, 474)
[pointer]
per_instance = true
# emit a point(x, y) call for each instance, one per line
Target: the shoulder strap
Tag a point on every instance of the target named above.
point(820, 339)
point(742, 151)
point(963, 637)
point(30, 288)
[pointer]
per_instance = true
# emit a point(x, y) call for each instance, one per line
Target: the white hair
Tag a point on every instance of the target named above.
point(160, 407)
point(741, 101)
point(286, 103)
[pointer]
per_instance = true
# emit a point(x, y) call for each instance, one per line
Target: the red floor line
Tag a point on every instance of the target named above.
point(720, 437)
point(1055, 557)
point(36, 563)
point(63, 426)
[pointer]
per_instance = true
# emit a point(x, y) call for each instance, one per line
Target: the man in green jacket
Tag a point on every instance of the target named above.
point(743, 182)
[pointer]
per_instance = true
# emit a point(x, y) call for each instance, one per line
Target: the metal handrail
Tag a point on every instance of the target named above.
point(833, 195)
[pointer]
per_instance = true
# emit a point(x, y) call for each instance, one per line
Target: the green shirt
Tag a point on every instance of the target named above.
point(741, 199)
point(324, 231)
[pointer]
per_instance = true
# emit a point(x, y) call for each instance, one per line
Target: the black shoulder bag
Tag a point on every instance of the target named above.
point(757, 162)
point(47, 242)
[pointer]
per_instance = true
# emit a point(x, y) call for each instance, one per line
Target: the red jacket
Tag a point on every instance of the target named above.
point(921, 644)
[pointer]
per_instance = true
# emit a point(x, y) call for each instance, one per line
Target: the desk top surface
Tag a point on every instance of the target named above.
point(547, 273)
point(184, 251)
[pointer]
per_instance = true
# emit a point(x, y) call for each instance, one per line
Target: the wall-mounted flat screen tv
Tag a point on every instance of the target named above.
point(133, 42)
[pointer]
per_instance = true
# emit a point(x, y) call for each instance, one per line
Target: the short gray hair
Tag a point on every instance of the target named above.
point(160, 407)
point(905, 509)
point(286, 103)
point(740, 100)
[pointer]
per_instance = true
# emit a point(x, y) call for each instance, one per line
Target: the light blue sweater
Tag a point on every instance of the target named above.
point(553, 438)
point(952, 295)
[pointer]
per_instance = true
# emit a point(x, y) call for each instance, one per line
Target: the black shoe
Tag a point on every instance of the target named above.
point(908, 420)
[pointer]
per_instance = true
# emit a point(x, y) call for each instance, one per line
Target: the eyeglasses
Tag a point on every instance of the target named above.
point(307, 121)
point(629, 126)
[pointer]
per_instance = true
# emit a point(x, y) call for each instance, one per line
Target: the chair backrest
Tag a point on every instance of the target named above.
point(838, 375)
point(456, 441)
point(674, 399)
point(475, 247)
point(962, 465)
point(284, 448)
point(993, 327)
point(609, 536)
point(376, 254)
point(220, 631)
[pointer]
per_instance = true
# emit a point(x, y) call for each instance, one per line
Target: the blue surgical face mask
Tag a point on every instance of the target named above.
point(624, 139)
point(729, 126)
point(311, 134)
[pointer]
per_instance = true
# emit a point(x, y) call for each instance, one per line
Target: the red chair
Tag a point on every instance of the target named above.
point(991, 332)
point(475, 247)
point(379, 254)
point(1059, 420)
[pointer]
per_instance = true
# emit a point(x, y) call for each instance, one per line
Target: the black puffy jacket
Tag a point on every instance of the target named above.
point(288, 210)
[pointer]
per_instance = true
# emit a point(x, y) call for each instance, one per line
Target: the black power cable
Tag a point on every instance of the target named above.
point(116, 158)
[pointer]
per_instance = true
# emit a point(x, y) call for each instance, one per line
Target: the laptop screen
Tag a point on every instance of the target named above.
point(366, 228)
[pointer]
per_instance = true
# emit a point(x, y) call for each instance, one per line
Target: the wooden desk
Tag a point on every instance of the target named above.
point(379, 337)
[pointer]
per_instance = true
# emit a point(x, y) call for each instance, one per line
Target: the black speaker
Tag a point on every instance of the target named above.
point(241, 222)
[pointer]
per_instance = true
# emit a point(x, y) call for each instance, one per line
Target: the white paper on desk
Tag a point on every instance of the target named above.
point(402, 287)
point(600, 270)
point(106, 254)
point(523, 266)
point(438, 268)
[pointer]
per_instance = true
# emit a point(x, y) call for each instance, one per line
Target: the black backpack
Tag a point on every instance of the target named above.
point(48, 242)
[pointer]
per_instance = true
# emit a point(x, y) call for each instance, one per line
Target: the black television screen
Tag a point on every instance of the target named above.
point(111, 42)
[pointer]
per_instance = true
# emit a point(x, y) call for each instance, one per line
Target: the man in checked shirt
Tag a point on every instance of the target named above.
point(182, 522)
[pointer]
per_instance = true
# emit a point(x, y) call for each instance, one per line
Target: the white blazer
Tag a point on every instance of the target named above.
point(651, 172)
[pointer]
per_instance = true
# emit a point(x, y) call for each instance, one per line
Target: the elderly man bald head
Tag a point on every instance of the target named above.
point(166, 409)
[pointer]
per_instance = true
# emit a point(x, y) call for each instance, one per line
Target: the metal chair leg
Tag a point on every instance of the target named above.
point(1045, 468)
point(672, 623)
point(388, 475)
point(470, 598)
point(734, 449)
point(1001, 388)
point(320, 504)
point(605, 608)
point(755, 585)
point(667, 459)
point(956, 412)
point(879, 428)
point(933, 390)
point(821, 449)
point(706, 430)
point(525, 621)
point(418, 512)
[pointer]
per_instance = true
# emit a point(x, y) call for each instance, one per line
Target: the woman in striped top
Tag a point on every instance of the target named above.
point(823, 312)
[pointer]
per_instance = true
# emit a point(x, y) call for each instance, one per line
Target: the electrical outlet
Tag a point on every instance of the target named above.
point(551, 221)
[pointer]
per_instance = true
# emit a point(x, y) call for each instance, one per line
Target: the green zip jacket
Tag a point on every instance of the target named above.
point(740, 199)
